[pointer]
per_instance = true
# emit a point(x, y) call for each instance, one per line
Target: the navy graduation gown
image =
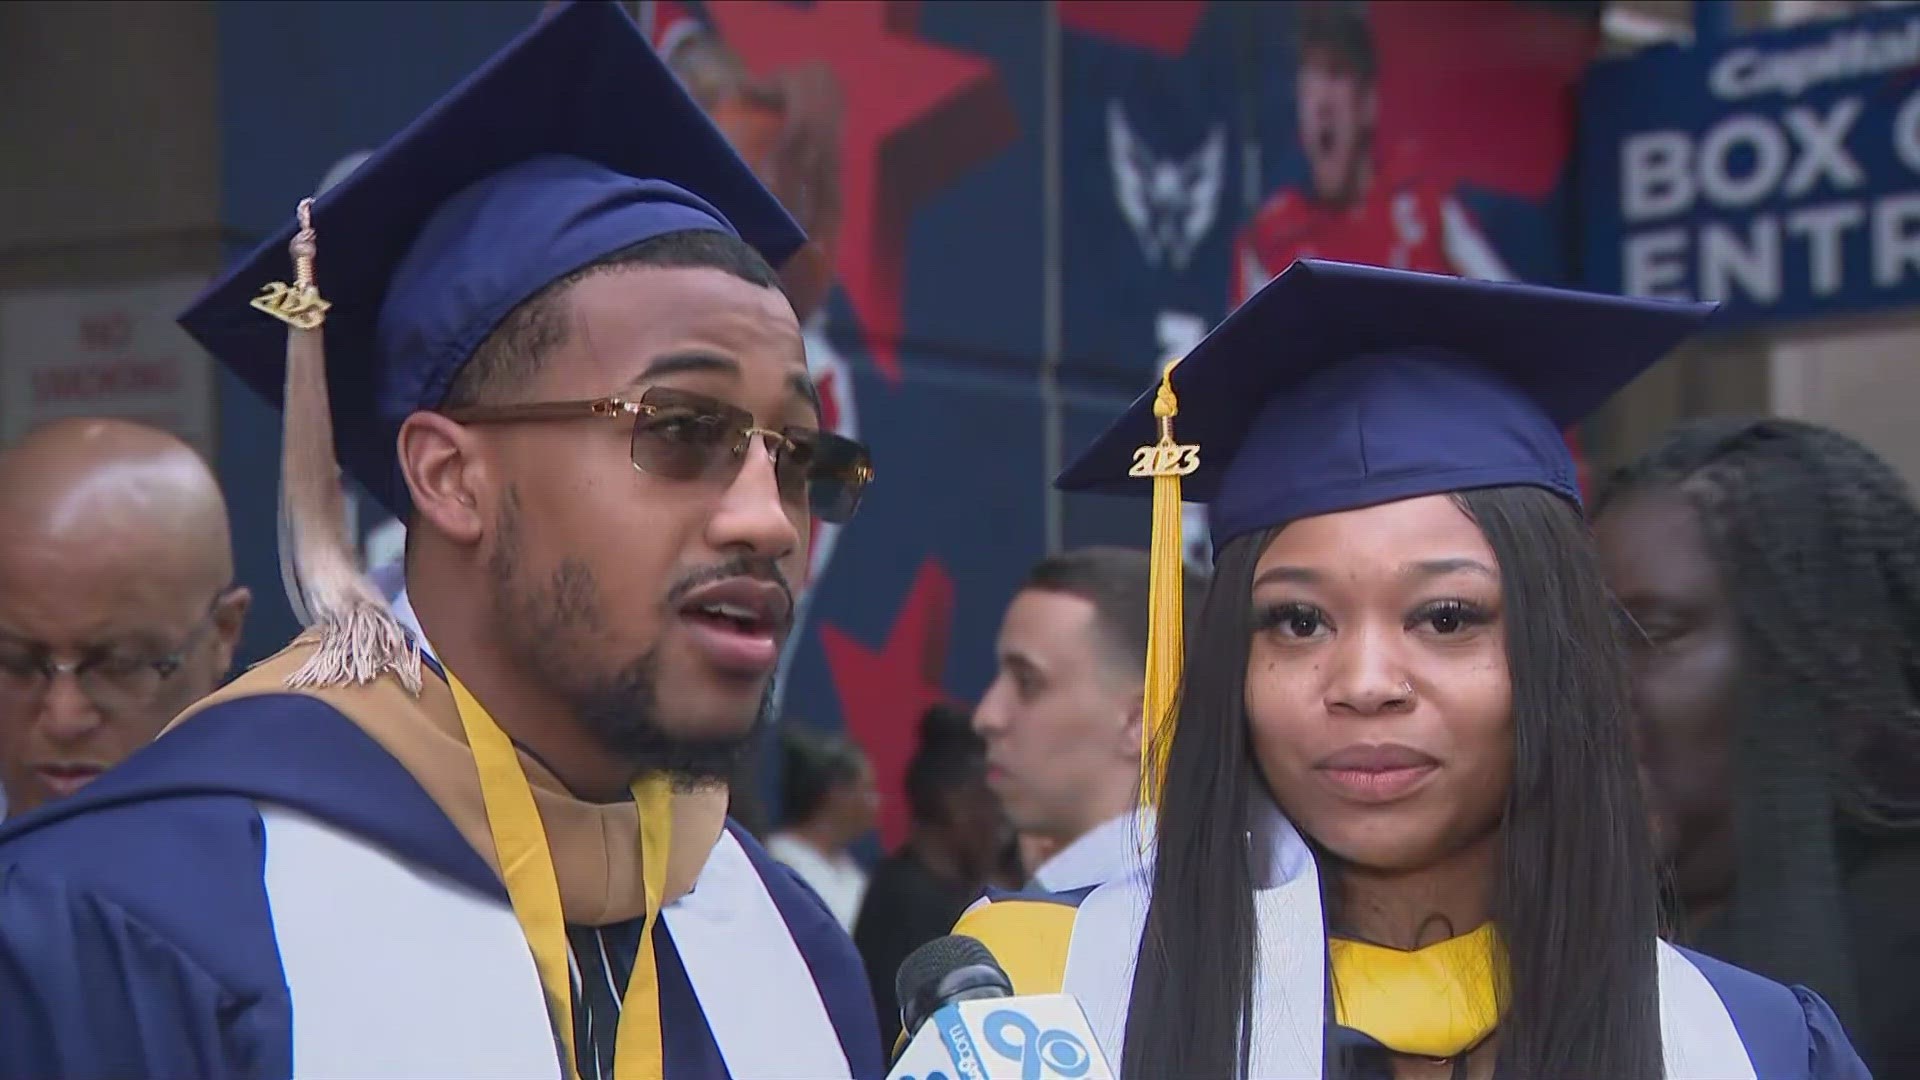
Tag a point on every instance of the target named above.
point(138, 937)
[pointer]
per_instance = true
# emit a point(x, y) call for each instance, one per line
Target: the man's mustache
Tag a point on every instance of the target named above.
point(757, 567)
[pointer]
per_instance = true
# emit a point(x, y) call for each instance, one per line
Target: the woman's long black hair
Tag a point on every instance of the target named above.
point(1577, 900)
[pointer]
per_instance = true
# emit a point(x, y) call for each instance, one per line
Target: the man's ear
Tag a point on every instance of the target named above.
point(229, 618)
point(446, 474)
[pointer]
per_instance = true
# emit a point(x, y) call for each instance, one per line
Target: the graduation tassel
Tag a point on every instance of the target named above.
point(1166, 461)
point(359, 638)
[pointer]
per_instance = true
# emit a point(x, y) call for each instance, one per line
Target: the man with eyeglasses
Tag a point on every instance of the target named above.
point(482, 832)
point(117, 607)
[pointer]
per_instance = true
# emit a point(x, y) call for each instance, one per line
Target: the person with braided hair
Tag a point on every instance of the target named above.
point(1773, 570)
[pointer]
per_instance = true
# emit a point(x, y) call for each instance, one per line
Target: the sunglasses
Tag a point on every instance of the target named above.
point(684, 436)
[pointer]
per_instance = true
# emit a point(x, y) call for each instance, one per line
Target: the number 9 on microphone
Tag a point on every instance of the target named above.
point(1040, 1037)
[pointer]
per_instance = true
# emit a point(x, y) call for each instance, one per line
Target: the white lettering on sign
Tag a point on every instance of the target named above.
point(1656, 264)
point(1749, 261)
point(1896, 239)
point(1698, 192)
point(1656, 175)
point(1847, 53)
point(1744, 160)
point(1906, 132)
point(1824, 229)
point(1822, 142)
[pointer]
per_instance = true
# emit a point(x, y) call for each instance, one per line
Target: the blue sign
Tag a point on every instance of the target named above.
point(1778, 173)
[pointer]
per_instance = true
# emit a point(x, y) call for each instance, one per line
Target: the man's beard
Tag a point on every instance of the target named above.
point(547, 624)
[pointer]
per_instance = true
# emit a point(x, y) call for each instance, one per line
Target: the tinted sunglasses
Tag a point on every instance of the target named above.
point(684, 436)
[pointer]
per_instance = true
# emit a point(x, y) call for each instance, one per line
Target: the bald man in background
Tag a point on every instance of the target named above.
point(117, 601)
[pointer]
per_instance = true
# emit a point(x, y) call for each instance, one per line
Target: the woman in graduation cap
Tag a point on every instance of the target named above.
point(1400, 832)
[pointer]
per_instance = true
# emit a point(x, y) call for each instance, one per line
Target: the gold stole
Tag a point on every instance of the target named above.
point(526, 865)
point(1433, 1002)
point(582, 844)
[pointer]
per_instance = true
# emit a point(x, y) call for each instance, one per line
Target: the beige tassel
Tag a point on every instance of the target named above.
point(359, 637)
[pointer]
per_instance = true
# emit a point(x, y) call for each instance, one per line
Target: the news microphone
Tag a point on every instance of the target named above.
point(963, 1022)
point(944, 971)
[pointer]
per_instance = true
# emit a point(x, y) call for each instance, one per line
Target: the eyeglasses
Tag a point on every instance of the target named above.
point(116, 681)
point(684, 436)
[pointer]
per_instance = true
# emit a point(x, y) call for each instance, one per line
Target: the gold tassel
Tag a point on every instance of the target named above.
point(359, 637)
point(1166, 461)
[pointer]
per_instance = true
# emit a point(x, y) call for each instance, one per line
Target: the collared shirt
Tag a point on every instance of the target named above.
point(1104, 852)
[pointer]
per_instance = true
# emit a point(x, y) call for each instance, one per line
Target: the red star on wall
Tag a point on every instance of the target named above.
point(918, 115)
point(883, 692)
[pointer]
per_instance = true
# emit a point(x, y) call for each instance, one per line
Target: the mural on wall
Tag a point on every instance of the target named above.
point(966, 315)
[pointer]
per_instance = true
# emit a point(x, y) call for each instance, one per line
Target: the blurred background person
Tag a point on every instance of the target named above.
point(1061, 720)
point(1773, 569)
point(830, 801)
point(117, 602)
point(959, 840)
point(1369, 195)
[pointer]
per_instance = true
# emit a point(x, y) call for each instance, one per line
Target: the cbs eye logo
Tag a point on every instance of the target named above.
point(1060, 1053)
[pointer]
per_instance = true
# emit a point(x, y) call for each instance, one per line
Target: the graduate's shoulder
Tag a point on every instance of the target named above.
point(179, 815)
point(183, 812)
point(151, 886)
point(1789, 1031)
point(1028, 931)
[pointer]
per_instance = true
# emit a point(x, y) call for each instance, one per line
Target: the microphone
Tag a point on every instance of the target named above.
point(944, 971)
point(963, 1022)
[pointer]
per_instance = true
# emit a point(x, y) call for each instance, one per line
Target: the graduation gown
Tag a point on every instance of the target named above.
point(1718, 1022)
point(302, 883)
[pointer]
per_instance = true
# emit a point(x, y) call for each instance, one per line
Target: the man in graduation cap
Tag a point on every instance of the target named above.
point(479, 834)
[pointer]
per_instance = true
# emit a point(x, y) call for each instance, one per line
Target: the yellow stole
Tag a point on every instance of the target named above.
point(1433, 1002)
point(533, 887)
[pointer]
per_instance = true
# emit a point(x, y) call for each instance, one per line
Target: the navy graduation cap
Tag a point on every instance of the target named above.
point(571, 143)
point(1340, 386)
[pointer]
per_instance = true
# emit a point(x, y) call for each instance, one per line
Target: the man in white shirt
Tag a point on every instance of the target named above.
point(1062, 720)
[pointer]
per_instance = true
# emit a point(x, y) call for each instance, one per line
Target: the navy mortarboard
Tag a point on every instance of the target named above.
point(340, 866)
point(1339, 386)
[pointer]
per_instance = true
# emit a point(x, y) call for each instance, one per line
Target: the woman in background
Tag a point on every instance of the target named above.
point(959, 840)
point(1772, 569)
point(1400, 835)
point(830, 801)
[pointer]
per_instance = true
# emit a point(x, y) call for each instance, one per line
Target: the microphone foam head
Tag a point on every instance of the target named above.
point(946, 970)
point(931, 962)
